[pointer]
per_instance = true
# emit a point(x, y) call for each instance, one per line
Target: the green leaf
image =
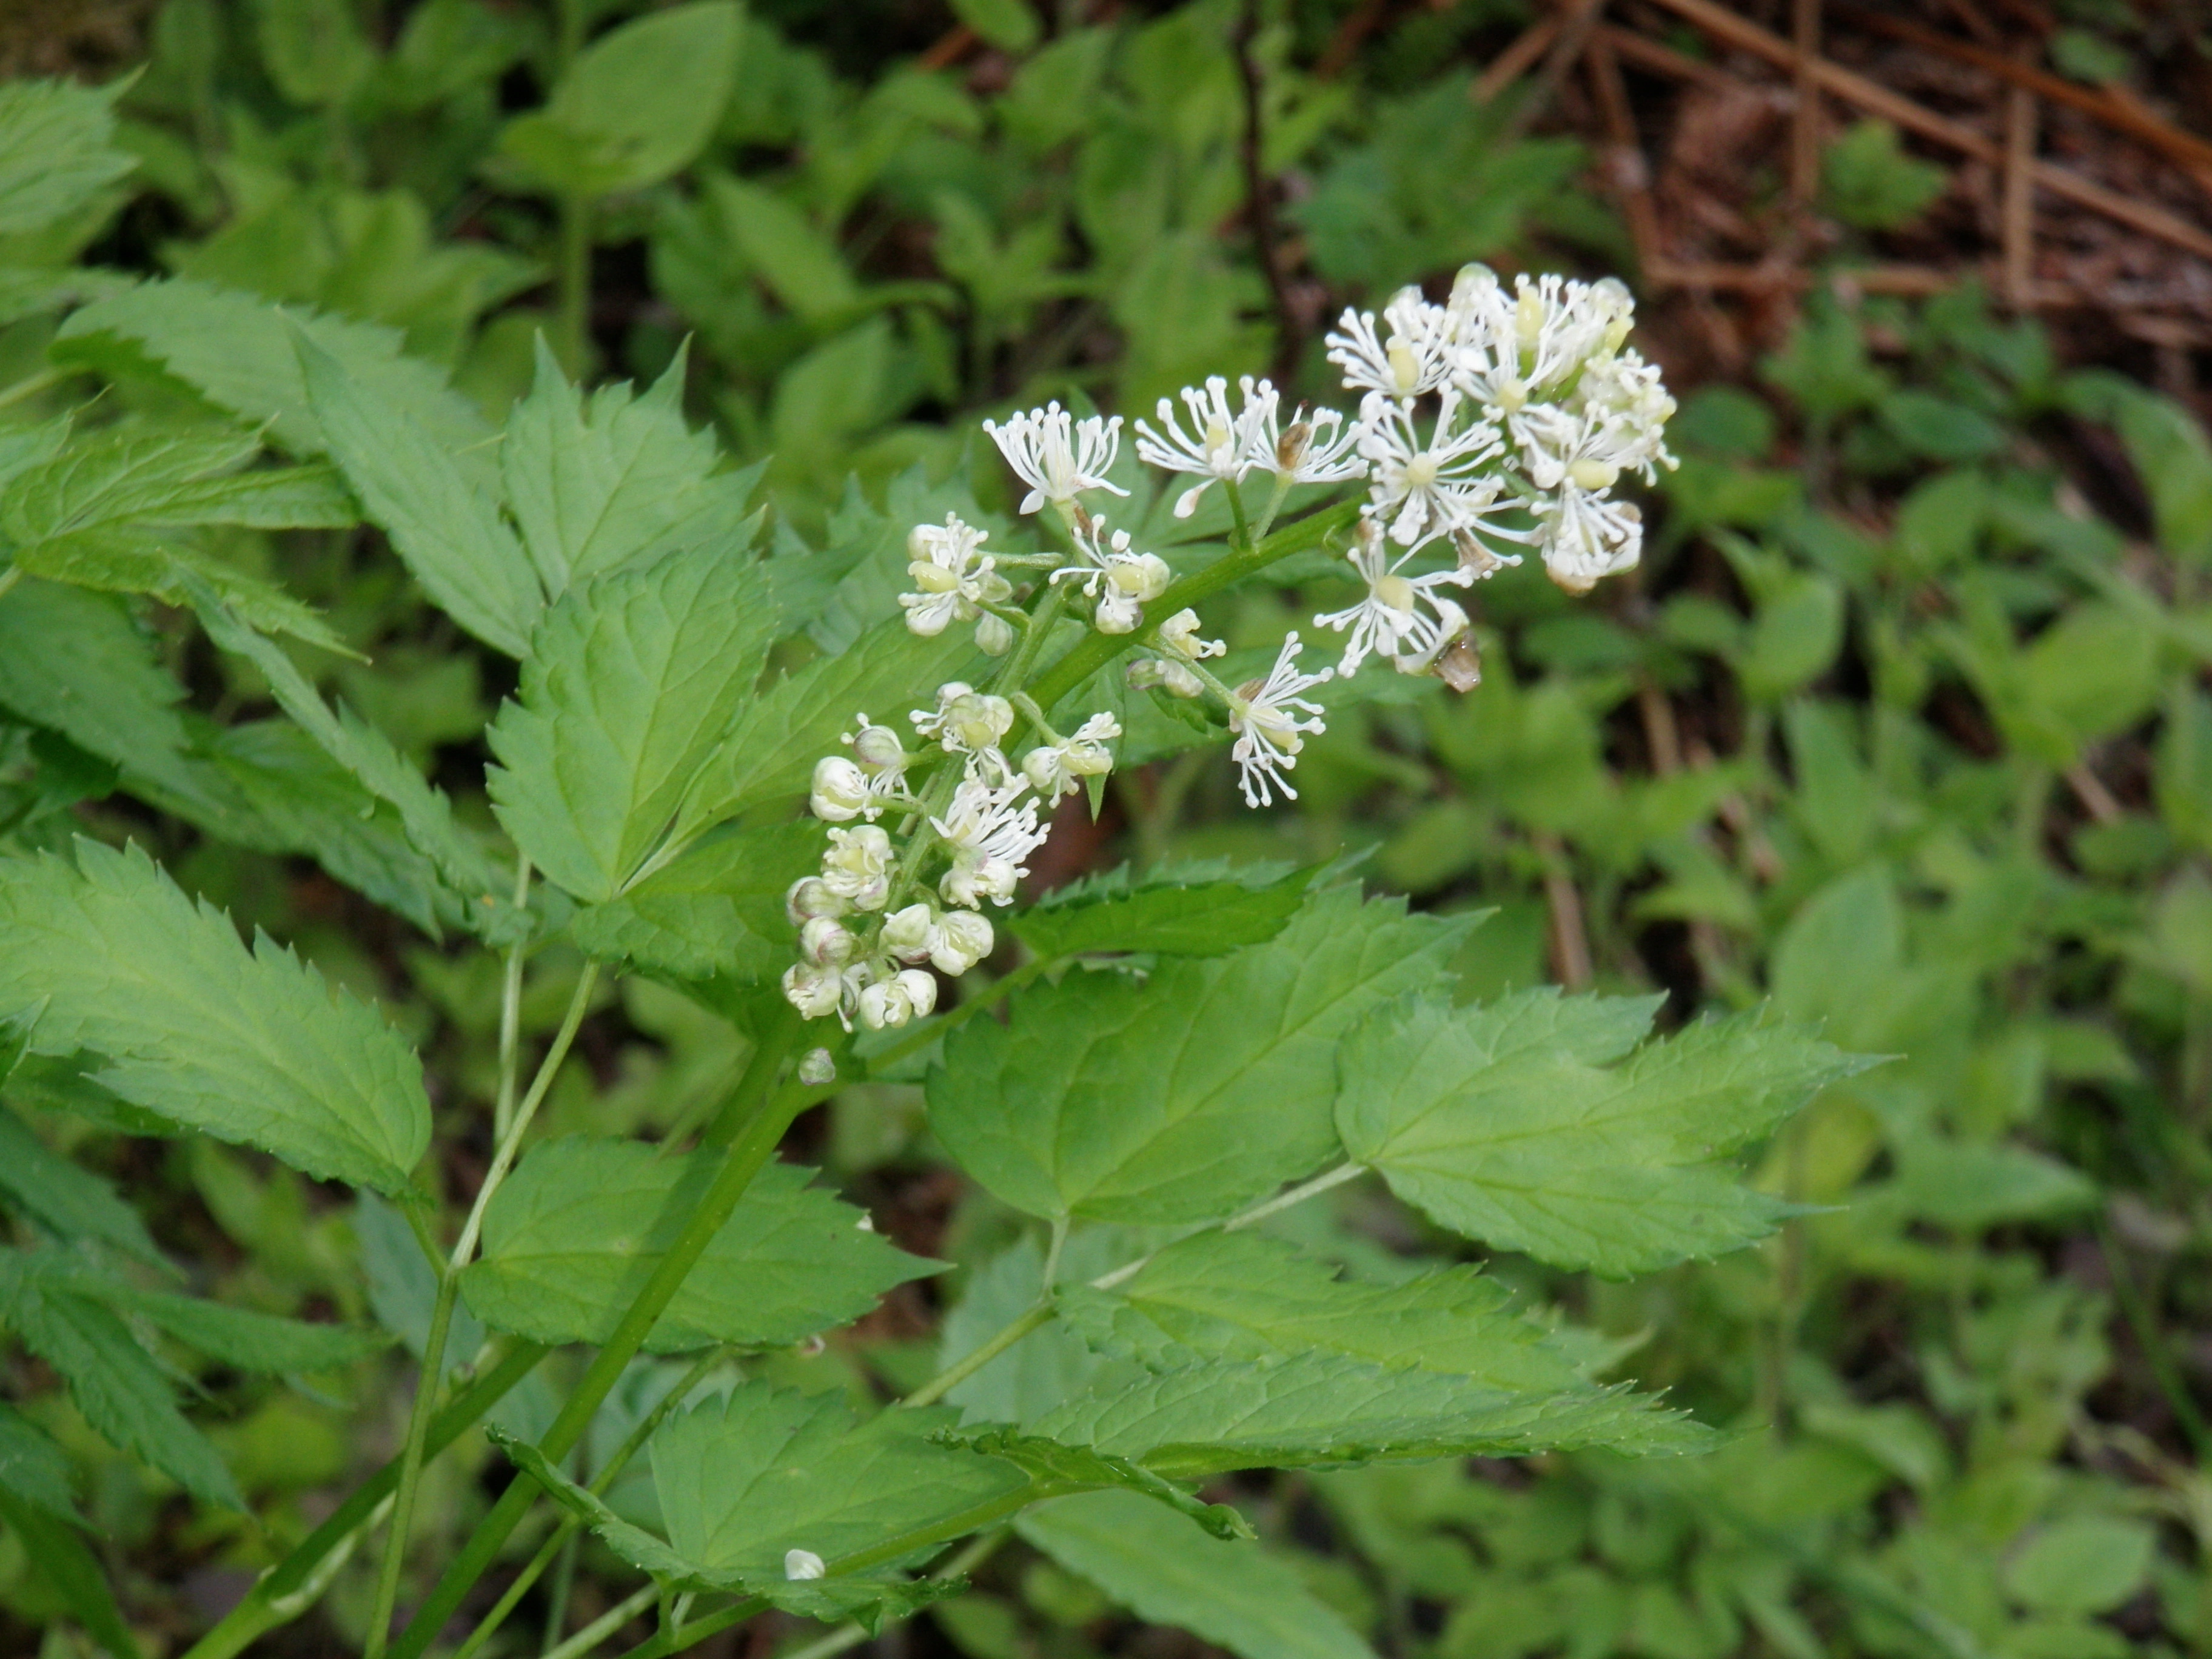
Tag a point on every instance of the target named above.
point(1234, 1595)
point(1870, 182)
point(2086, 1564)
point(33, 1468)
point(745, 1480)
point(1009, 24)
point(771, 750)
point(1504, 1123)
point(56, 150)
point(802, 267)
point(600, 483)
point(63, 1559)
point(68, 1201)
point(237, 351)
point(1209, 1419)
point(448, 532)
point(123, 1393)
point(630, 682)
point(314, 50)
point(582, 1223)
point(636, 107)
point(244, 1340)
point(1050, 1463)
point(718, 909)
point(2167, 445)
point(246, 1046)
point(1182, 1097)
point(1244, 1295)
point(1204, 919)
point(1968, 1187)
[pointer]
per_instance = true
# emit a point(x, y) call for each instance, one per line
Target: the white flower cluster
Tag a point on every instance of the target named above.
point(861, 954)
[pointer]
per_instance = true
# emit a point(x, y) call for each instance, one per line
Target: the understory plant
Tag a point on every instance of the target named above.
point(1148, 1071)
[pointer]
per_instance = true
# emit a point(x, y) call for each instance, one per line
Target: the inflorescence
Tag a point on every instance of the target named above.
point(1503, 418)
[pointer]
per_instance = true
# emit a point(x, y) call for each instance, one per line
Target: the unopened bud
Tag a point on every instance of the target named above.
point(818, 1068)
point(813, 991)
point(825, 942)
point(810, 896)
point(910, 933)
point(964, 938)
point(877, 747)
point(1179, 679)
point(994, 636)
point(839, 792)
point(1460, 666)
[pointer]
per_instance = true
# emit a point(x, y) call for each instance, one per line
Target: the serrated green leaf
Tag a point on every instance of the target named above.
point(1049, 1463)
point(1321, 1409)
point(598, 483)
point(1236, 1595)
point(636, 105)
point(1208, 920)
point(244, 1340)
point(251, 1046)
point(1180, 1098)
point(33, 1468)
point(1244, 1295)
point(123, 1393)
point(56, 150)
point(631, 1541)
point(1504, 1123)
point(448, 532)
point(772, 748)
point(631, 681)
point(1044, 1368)
point(718, 909)
point(743, 1481)
point(68, 1201)
point(64, 1561)
point(237, 351)
point(581, 1225)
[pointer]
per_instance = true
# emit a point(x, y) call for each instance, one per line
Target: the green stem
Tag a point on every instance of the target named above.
point(606, 1625)
point(32, 385)
point(961, 1369)
point(441, 1318)
point(278, 1598)
point(510, 1018)
point(9, 577)
point(1095, 650)
point(564, 1583)
point(749, 1152)
point(574, 282)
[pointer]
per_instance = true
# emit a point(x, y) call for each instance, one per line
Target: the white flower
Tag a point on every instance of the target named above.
point(965, 721)
point(1616, 421)
point(841, 791)
point(810, 896)
point(1318, 447)
point(1268, 734)
point(857, 868)
point(802, 1563)
point(1222, 447)
point(1585, 535)
point(1058, 768)
point(1056, 455)
point(1428, 488)
point(1121, 581)
point(964, 938)
point(814, 992)
point(953, 578)
point(1415, 356)
point(1390, 620)
point(1179, 634)
point(893, 1000)
point(909, 934)
point(990, 835)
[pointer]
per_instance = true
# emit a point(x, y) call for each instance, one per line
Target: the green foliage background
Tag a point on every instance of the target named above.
point(1903, 728)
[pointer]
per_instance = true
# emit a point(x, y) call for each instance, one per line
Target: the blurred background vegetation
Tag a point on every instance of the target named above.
point(1904, 727)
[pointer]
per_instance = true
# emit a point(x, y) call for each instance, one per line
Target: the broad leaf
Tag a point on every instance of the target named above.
point(237, 351)
point(574, 1235)
point(1179, 1098)
point(68, 1201)
point(1207, 919)
point(1236, 1595)
point(770, 751)
point(718, 909)
point(56, 150)
point(636, 105)
point(599, 482)
point(33, 1468)
point(1244, 1296)
point(123, 1393)
point(630, 682)
point(244, 1340)
point(1208, 1419)
point(448, 532)
point(249, 1046)
point(1051, 1464)
point(1505, 1123)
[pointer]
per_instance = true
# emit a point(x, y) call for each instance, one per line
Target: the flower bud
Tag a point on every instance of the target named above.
point(994, 636)
point(1144, 673)
point(813, 991)
point(910, 934)
point(879, 748)
point(1290, 448)
point(825, 942)
point(810, 896)
point(964, 938)
point(817, 1069)
point(1179, 634)
point(840, 790)
point(1140, 575)
point(802, 1563)
point(921, 990)
point(1179, 679)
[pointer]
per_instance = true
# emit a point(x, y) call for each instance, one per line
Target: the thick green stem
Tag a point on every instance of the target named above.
point(606, 1625)
point(510, 1018)
point(1095, 650)
point(747, 1155)
point(277, 1599)
point(574, 293)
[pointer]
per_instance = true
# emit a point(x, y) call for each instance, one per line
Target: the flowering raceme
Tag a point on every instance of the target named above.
point(1504, 418)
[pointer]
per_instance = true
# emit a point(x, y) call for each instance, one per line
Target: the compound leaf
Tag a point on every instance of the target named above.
point(1207, 919)
point(573, 1236)
point(242, 1339)
point(248, 1046)
point(1236, 1595)
point(1505, 1123)
point(33, 1468)
point(56, 150)
point(1177, 1099)
point(67, 1199)
point(631, 681)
